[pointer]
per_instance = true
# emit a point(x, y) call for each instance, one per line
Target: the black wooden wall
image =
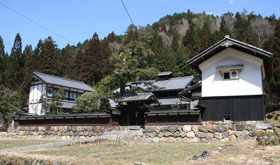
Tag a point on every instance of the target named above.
point(239, 108)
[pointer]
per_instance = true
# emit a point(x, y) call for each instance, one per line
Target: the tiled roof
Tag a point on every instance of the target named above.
point(195, 86)
point(233, 66)
point(164, 73)
point(171, 101)
point(55, 80)
point(67, 105)
point(138, 97)
point(178, 83)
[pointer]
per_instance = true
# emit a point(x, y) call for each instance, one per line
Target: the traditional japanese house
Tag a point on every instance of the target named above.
point(232, 80)
point(133, 108)
point(165, 106)
point(42, 86)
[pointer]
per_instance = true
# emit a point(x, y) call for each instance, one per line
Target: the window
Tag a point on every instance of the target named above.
point(79, 94)
point(73, 95)
point(49, 92)
point(226, 75)
point(231, 75)
point(66, 93)
point(230, 72)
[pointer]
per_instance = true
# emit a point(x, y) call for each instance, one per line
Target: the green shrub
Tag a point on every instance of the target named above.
point(268, 139)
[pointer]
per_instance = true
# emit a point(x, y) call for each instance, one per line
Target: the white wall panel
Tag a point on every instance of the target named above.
point(250, 78)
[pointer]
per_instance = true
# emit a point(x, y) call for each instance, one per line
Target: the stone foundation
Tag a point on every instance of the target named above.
point(207, 132)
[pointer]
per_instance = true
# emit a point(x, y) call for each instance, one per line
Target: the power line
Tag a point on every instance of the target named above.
point(36, 23)
point(127, 13)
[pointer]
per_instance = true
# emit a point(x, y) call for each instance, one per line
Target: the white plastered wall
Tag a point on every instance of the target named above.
point(250, 77)
point(35, 93)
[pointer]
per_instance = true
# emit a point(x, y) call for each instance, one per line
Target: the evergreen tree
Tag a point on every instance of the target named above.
point(95, 52)
point(216, 36)
point(106, 53)
point(241, 27)
point(250, 37)
point(159, 50)
point(205, 35)
point(67, 65)
point(131, 34)
point(3, 58)
point(181, 61)
point(37, 57)
point(8, 104)
point(92, 60)
point(2, 47)
point(224, 29)
point(268, 44)
point(205, 43)
point(27, 53)
point(175, 44)
point(170, 63)
point(49, 59)
point(275, 80)
point(190, 39)
point(14, 70)
point(133, 63)
point(78, 65)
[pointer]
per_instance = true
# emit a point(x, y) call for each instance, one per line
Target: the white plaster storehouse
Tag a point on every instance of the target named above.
point(232, 80)
point(38, 83)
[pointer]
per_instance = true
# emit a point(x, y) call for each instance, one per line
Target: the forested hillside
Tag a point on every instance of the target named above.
point(142, 52)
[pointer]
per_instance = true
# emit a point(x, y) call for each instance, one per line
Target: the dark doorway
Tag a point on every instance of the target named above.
point(133, 114)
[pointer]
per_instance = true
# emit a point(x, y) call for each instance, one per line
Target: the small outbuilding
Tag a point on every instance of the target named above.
point(232, 80)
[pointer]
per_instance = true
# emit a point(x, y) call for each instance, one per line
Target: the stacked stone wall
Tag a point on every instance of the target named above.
point(207, 132)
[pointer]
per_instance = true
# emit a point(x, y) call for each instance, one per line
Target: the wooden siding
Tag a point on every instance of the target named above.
point(111, 120)
point(238, 108)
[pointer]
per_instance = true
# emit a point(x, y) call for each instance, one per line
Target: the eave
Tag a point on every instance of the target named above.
point(235, 44)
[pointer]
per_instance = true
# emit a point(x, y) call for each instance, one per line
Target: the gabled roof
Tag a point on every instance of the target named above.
point(235, 44)
point(55, 80)
point(178, 83)
point(137, 97)
point(193, 87)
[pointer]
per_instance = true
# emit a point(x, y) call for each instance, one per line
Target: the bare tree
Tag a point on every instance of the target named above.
point(229, 20)
point(262, 29)
point(144, 34)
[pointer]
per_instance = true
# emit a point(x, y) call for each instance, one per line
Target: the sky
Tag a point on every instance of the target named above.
point(74, 21)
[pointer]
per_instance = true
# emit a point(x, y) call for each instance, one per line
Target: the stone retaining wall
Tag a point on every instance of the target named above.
point(8, 159)
point(207, 132)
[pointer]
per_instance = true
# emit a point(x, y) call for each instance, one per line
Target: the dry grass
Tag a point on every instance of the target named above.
point(147, 153)
point(22, 142)
point(245, 152)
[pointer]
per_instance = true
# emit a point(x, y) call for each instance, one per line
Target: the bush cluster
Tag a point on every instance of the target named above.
point(268, 138)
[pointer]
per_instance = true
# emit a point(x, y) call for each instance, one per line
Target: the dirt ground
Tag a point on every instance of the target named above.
point(244, 152)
